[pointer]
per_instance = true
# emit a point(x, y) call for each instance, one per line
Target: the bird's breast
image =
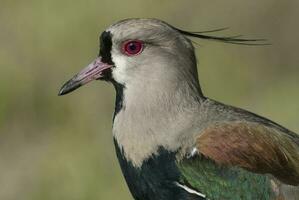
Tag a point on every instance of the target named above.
point(141, 135)
point(156, 178)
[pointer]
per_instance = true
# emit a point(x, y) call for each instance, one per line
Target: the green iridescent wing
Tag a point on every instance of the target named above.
point(224, 183)
point(239, 160)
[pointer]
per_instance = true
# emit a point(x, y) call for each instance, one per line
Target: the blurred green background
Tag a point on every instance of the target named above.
point(61, 147)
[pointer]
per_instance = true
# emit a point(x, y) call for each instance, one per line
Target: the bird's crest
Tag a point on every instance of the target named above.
point(236, 39)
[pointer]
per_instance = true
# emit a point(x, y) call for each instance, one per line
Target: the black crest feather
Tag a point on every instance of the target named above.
point(228, 39)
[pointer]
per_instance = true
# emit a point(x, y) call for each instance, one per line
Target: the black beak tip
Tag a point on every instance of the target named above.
point(68, 87)
point(62, 92)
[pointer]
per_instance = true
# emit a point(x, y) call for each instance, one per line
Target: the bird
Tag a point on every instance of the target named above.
point(174, 143)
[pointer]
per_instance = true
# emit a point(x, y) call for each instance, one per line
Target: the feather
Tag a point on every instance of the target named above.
point(228, 39)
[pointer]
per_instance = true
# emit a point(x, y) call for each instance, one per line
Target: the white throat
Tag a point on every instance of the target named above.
point(154, 116)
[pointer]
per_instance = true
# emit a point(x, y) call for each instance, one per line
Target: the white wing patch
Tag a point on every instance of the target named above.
point(191, 191)
point(192, 153)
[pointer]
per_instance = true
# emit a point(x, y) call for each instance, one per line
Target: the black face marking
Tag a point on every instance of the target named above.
point(119, 88)
point(156, 178)
point(105, 53)
point(105, 47)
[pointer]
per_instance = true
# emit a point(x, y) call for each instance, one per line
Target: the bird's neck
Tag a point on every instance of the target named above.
point(149, 116)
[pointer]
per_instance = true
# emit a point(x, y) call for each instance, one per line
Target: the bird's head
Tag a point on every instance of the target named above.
point(145, 51)
point(139, 50)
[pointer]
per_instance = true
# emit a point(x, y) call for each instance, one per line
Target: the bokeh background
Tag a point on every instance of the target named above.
point(61, 147)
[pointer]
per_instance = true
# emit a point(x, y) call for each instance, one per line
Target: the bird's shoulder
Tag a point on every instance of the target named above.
point(239, 138)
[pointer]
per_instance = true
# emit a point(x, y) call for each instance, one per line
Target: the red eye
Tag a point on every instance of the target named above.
point(133, 47)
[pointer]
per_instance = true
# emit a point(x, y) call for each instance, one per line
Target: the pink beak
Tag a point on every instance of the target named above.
point(92, 72)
